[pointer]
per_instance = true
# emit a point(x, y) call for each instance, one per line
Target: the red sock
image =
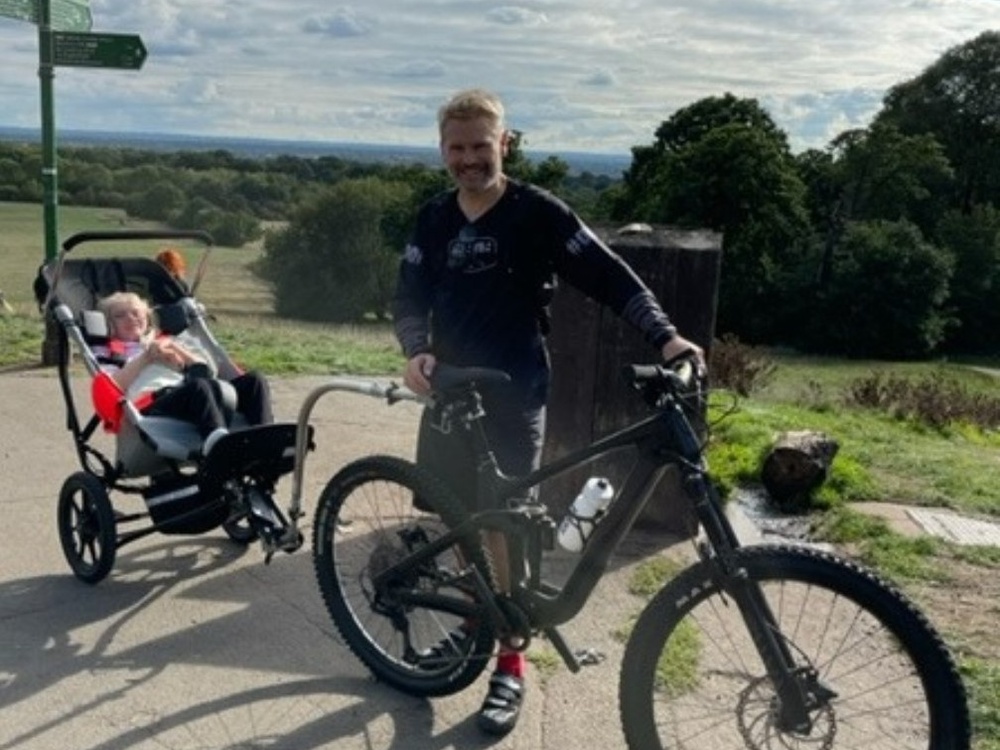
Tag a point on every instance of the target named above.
point(512, 663)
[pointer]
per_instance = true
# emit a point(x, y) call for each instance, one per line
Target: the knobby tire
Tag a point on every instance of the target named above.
point(691, 676)
point(366, 521)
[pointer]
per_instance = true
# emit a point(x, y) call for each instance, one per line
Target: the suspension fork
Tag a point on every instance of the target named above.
point(794, 704)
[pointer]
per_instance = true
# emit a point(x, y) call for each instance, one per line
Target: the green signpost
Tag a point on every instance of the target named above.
point(98, 50)
point(64, 39)
point(65, 15)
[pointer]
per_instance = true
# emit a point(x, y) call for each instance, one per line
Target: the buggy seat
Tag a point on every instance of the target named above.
point(145, 445)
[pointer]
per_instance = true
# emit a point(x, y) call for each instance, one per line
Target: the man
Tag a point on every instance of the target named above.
point(473, 285)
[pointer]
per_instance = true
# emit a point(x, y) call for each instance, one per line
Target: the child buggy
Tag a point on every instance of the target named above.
point(156, 458)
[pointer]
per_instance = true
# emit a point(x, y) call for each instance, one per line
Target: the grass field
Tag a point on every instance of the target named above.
point(881, 458)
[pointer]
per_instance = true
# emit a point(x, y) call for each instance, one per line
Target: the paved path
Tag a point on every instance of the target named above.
point(191, 643)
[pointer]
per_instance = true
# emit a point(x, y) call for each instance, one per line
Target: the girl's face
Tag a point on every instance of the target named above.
point(473, 152)
point(129, 322)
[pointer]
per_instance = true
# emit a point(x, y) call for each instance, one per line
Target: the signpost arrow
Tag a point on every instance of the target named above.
point(64, 15)
point(70, 48)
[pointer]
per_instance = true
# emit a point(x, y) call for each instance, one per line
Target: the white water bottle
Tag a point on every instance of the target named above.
point(578, 524)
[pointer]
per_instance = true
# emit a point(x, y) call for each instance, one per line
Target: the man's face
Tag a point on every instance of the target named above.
point(473, 152)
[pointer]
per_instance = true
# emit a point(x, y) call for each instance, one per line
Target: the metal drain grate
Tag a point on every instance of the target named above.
point(956, 528)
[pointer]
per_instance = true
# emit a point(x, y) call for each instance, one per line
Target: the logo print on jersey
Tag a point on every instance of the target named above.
point(470, 253)
point(580, 241)
point(413, 254)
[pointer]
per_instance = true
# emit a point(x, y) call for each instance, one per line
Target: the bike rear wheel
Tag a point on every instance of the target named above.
point(691, 675)
point(418, 633)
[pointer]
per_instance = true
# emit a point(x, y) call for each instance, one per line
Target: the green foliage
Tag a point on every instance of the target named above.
point(739, 439)
point(982, 679)
point(546, 662)
point(883, 174)
point(848, 481)
point(894, 556)
point(722, 164)
point(973, 240)
point(956, 100)
point(652, 575)
point(677, 664)
point(549, 174)
point(332, 262)
point(845, 526)
point(887, 293)
point(22, 339)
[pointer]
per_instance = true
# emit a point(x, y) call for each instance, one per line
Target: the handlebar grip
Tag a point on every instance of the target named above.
point(635, 374)
point(681, 373)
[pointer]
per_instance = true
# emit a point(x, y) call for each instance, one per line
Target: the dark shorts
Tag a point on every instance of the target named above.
point(515, 435)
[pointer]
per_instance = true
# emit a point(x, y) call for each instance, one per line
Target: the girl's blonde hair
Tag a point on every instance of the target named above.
point(470, 104)
point(111, 304)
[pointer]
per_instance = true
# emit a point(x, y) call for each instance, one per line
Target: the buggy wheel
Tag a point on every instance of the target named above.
point(240, 530)
point(423, 631)
point(87, 527)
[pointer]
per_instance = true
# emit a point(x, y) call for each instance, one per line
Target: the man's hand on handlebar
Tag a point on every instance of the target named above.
point(679, 347)
point(418, 371)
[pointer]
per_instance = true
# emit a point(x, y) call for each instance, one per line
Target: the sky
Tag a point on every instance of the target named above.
point(593, 76)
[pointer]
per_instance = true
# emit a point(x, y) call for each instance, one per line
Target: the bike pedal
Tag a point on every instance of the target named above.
point(589, 657)
point(291, 541)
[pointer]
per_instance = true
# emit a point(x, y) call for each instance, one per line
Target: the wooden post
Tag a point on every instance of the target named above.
point(589, 345)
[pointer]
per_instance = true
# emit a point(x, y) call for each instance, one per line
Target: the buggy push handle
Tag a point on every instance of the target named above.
point(137, 234)
point(113, 235)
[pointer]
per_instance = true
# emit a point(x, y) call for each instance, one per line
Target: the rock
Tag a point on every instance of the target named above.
point(797, 464)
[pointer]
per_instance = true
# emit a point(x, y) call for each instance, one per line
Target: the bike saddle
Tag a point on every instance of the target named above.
point(452, 377)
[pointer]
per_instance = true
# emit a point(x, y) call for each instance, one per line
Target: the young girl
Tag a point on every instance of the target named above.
point(155, 364)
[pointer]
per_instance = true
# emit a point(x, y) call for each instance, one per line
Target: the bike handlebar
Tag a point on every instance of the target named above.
point(681, 375)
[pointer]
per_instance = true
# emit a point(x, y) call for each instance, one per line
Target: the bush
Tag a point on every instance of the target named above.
point(335, 261)
point(739, 367)
point(937, 402)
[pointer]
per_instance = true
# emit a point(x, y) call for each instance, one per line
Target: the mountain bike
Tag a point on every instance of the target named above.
point(748, 647)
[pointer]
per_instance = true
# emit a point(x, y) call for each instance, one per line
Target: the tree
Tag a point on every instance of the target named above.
point(549, 174)
point(873, 174)
point(722, 164)
point(161, 202)
point(885, 174)
point(887, 293)
point(957, 99)
point(333, 262)
point(973, 240)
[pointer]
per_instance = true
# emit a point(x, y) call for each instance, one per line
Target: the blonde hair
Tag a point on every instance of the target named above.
point(113, 303)
point(470, 104)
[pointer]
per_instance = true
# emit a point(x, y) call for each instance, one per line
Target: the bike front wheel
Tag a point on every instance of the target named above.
point(876, 673)
point(418, 631)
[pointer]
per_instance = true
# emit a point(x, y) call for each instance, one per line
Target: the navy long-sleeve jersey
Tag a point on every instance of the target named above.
point(473, 292)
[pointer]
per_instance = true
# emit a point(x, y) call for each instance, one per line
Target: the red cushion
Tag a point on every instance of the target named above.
point(107, 397)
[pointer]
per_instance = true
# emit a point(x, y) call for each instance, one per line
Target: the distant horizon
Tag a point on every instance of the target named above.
point(611, 164)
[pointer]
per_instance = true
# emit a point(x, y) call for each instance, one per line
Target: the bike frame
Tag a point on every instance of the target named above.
point(663, 440)
point(660, 445)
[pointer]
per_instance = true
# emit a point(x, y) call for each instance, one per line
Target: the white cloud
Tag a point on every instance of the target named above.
point(600, 78)
point(596, 75)
point(344, 22)
point(516, 16)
